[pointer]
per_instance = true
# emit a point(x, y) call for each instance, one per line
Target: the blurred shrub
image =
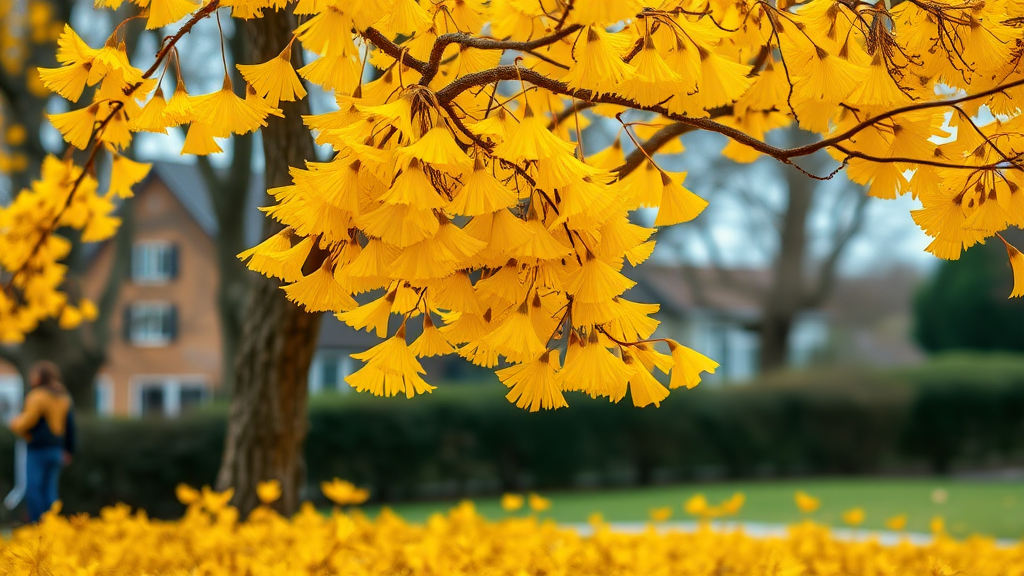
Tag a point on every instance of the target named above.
point(965, 306)
point(466, 440)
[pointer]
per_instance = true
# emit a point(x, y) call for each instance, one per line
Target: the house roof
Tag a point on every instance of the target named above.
point(738, 293)
point(335, 334)
point(682, 290)
point(188, 185)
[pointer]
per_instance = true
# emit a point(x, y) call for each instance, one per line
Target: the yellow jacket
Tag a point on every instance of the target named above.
point(45, 405)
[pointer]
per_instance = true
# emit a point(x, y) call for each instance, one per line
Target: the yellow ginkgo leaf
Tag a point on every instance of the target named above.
point(76, 126)
point(275, 80)
point(164, 12)
point(126, 173)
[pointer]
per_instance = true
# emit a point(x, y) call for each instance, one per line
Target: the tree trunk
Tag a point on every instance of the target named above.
point(267, 425)
point(785, 297)
point(774, 332)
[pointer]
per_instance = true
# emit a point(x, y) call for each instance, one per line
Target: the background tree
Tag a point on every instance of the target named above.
point(794, 227)
point(28, 37)
point(964, 305)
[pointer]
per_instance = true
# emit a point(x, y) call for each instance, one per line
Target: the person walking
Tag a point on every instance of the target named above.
point(47, 423)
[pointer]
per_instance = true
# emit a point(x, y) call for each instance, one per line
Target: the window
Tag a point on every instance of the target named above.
point(192, 397)
point(328, 371)
point(104, 389)
point(168, 396)
point(10, 397)
point(154, 402)
point(150, 323)
point(154, 262)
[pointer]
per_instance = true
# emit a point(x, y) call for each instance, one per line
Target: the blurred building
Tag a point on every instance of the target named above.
point(867, 320)
point(164, 357)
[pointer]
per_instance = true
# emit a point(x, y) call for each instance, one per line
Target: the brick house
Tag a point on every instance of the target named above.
point(164, 357)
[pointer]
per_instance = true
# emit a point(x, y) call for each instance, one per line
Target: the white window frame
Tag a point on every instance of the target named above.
point(11, 387)
point(172, 386)
point(144, 337)
point(151, 262)
point(104, 395)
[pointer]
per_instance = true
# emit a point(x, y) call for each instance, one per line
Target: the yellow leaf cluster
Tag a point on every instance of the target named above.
point(211, 539)
point(29, 246)
point(462, 190)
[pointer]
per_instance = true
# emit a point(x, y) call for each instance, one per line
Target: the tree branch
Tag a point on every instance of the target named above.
point(374, 36)
point(784, 155)
point(827, 272)
point(651, 146)
point(468, 41)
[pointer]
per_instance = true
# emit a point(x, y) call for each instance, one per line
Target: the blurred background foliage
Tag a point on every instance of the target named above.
point(964, 306)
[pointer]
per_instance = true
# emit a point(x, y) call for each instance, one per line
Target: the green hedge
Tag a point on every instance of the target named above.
point(466, 440)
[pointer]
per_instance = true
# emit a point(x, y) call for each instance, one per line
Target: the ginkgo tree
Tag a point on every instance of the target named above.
point(461, 195)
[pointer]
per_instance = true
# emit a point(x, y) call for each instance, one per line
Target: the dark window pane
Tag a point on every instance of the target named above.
point(153, 401)
point(191, 398)
point(329, 373)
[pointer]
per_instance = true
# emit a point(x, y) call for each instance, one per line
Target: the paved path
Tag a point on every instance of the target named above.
point(762, 530)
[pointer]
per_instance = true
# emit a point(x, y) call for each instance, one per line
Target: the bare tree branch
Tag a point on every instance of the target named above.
point(785, 155)
point(827, 270)
point(725, 274)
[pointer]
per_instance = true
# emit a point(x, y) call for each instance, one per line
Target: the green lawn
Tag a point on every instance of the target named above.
point(988, 507)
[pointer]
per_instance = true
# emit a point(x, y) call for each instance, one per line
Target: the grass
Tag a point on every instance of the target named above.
point(994, 508)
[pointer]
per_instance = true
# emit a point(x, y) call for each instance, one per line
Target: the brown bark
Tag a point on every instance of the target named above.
point(267, 425)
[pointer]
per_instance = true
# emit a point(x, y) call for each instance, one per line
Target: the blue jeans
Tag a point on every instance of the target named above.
point(42, 475)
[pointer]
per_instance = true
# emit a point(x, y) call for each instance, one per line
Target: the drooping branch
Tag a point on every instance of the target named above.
point(785, 155)
point(827, 271)
point(512, 72)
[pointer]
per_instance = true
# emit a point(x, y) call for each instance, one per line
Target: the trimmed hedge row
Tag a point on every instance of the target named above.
point(466, 440)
